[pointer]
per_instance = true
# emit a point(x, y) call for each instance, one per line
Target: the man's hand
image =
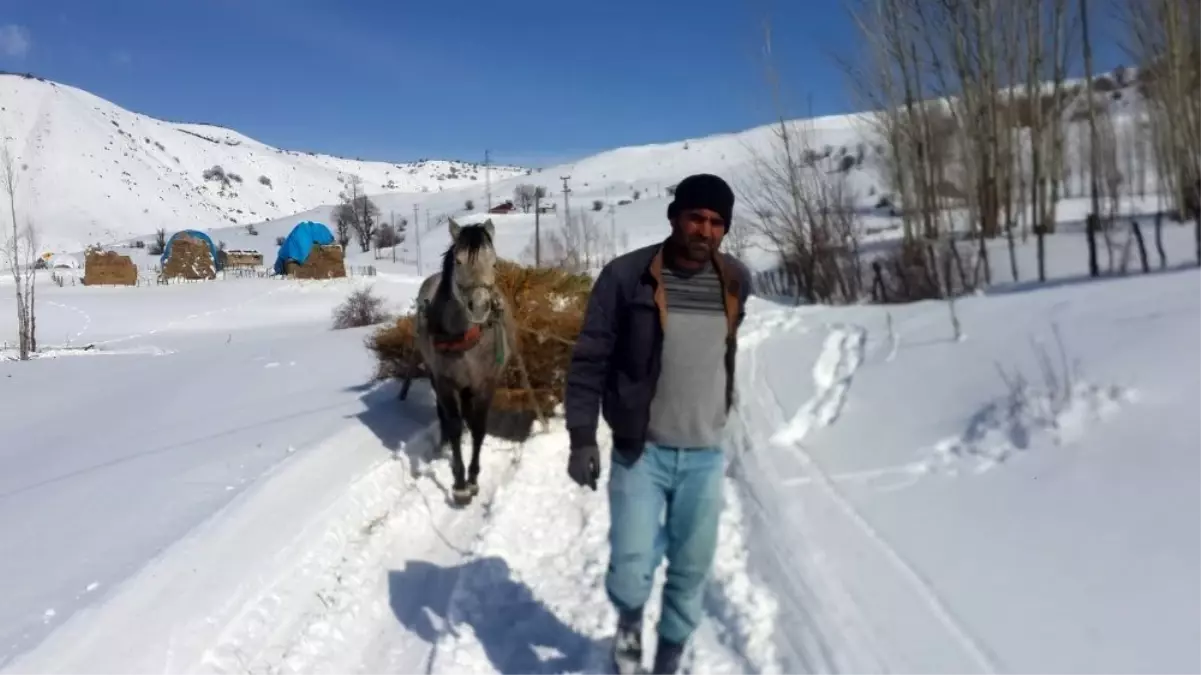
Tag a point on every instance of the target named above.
point(584, 465)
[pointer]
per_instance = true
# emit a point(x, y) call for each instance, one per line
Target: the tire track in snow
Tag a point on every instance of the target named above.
point(177, 322)
point(324, 612)
point(820, 624)
point(87, 318)
point(833, 371)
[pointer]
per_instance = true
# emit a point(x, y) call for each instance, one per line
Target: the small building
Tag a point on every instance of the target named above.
point(240, 259)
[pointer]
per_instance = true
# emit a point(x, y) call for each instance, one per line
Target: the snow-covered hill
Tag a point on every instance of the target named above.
point(93, 172)
point(623, 193)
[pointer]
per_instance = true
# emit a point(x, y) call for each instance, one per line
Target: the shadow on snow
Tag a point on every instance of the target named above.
point(516, 632)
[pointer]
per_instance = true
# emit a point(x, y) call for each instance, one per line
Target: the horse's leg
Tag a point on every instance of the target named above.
point(477, 421)
point(451, 411)
point(443, 431)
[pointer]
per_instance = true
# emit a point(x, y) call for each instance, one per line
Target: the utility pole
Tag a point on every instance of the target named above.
point(488, 179)
point(395, 233)
point(613, 226)
point(537, 231)
point(566, 203)
point(417, 231)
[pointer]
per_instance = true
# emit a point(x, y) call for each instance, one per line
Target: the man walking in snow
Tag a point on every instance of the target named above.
point(656, 355)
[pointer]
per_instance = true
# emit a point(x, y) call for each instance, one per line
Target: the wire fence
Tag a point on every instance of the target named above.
point(153, 276)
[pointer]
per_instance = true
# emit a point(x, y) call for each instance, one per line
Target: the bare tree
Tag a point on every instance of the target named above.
point(357, 213)
point(577, 246)
point(344, 217)
point(20, 253)
point(525, 196)
point(1163, 40)
point(1094, 218)
point(159, 245)
point(738, 241)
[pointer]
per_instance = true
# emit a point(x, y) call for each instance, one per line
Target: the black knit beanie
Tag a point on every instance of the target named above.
point(703, 191)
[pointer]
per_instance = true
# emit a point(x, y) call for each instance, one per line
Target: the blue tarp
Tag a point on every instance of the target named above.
point(300, 242)
point(191, 233)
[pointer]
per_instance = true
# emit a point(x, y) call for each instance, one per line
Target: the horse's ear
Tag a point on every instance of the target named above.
point(490, 228)
point(454, 229)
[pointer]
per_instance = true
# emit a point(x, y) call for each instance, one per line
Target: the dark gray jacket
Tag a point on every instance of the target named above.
point(616, 361)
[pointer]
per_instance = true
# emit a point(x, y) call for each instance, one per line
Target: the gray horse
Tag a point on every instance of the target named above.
point(465, 336)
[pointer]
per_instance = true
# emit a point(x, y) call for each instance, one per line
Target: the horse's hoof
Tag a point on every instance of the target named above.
point(473, 488)
point(462, 497)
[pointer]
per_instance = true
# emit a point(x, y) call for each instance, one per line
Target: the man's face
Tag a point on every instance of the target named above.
point(698, 233)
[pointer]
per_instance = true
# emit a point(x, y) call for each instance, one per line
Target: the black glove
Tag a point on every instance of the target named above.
point(584, 465)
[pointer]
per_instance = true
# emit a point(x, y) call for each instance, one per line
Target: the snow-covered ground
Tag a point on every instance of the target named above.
point(216, 488)
point(200, 477)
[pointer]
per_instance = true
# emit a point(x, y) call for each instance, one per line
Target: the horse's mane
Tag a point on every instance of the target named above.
point(472, 238)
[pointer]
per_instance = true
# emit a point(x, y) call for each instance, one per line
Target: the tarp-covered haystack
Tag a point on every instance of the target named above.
point(109, 268)
point(190, 254)
point(322, 262)
point(548, 308)
point(309, 252)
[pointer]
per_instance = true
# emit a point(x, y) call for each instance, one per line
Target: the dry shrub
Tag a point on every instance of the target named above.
point(191, 258)
point(547, 306)
point(109, 269)
point(324, 262)
point(361, 308)
point(924, 270)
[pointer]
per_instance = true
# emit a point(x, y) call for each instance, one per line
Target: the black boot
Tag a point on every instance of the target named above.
point(667, 657)
point(627, 644)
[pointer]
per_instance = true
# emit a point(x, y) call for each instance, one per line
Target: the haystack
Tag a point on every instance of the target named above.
point(190, 258)
point(548, 307)
point(324, 262)
point(109, 269)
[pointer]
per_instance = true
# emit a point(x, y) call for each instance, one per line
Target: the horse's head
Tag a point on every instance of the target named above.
point(470, 261)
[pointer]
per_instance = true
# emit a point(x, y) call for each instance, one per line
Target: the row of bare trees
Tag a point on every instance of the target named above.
point(1164, 37)
point(979, 90)
point(982, 131)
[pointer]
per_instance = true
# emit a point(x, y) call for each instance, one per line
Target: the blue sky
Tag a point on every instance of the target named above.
point(535, 81)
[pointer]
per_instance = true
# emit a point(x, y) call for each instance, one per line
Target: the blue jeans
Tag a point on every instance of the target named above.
point(668, 501)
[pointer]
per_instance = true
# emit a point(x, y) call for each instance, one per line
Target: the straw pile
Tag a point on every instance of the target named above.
point(109, 269)
point(547, 306)
point(325, 262)
point(191, 258)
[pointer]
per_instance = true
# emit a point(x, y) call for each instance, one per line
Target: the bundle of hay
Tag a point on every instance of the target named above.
point(109, 269)
point(324, 262)
point(191, 258)
point(547, 306)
